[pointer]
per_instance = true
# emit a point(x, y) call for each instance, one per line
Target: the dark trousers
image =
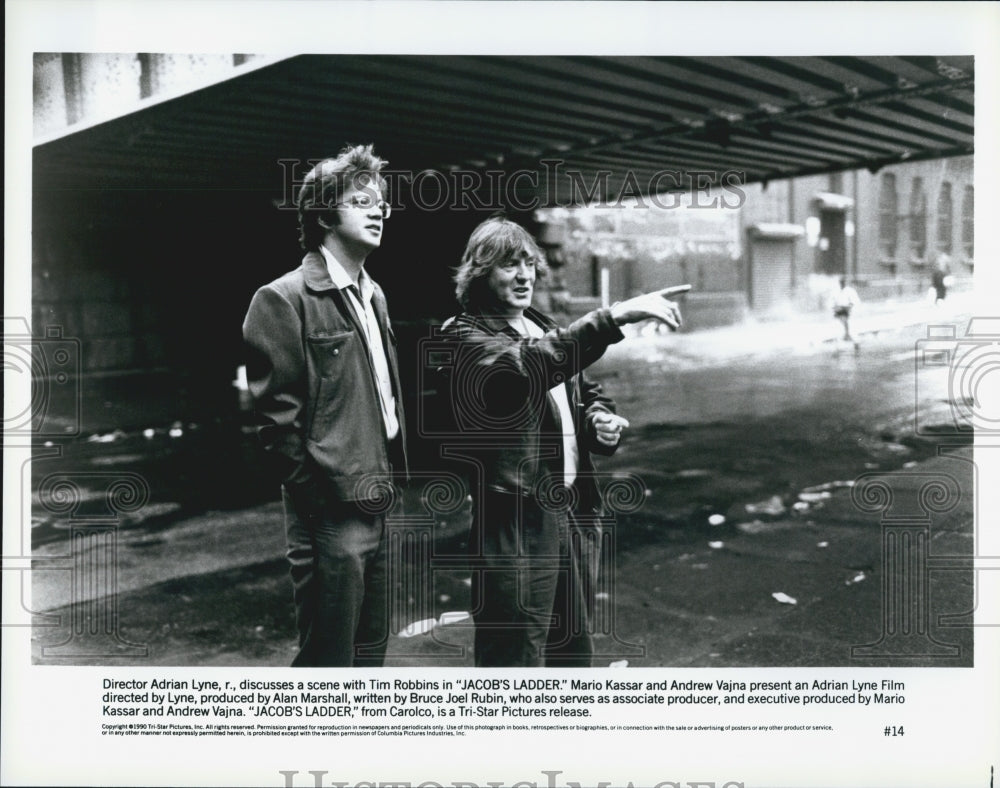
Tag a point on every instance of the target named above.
point(530, 590)
point(337, 557)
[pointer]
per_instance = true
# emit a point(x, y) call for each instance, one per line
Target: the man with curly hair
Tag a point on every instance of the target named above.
point(322, 370)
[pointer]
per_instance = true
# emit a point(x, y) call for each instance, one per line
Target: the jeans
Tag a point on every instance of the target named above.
point(338, 562)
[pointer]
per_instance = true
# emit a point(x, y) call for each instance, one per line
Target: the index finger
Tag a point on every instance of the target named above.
point(675, 290)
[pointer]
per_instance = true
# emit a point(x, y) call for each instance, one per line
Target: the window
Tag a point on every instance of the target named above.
point(918, 220)
point(968, 219)
point(944, 218)
point(888, 209)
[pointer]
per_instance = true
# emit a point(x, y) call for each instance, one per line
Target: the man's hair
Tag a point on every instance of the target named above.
point(355, 165)
point(495, 240)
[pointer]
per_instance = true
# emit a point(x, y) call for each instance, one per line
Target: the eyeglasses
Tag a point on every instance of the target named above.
point(366, 202)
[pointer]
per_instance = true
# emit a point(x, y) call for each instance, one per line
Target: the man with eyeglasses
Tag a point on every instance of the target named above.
point(322, 369)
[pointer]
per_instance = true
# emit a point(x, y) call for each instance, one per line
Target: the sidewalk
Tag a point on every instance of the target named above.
point(794, 334)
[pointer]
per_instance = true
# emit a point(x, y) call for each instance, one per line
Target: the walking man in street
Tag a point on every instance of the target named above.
point(844, 301)
point(941, 278)
point(322, 371)
point(532, 420)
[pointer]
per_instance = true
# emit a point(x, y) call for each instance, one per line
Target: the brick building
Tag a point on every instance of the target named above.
point(776, 247)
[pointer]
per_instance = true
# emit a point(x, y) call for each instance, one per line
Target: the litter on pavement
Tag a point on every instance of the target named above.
point(418, 628)
point(772, 506)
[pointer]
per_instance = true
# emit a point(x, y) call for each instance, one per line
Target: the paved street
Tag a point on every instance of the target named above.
point(741, 543)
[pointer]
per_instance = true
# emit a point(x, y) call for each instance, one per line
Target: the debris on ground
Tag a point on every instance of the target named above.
point(755, 527)
point(772, 506)
point(108, 437)
point(782, 597)
point(693, 473)
point(418, 628)
point(826, 486)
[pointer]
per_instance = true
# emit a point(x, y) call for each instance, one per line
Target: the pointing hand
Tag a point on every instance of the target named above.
point(650, 306)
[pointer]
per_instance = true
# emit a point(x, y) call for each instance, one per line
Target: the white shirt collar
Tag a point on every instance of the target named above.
point(340, 277)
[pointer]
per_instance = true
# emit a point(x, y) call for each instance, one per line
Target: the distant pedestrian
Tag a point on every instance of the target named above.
point(941, 277)
point(844, 301)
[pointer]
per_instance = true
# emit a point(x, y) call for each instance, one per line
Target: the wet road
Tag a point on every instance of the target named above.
point(771, 424)
point(745, 464)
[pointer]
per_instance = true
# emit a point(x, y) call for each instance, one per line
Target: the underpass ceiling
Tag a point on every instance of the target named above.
point(614, 123)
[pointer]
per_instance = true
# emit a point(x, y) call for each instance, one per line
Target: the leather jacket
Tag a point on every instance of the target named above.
point(506, 423)
point(310, 374)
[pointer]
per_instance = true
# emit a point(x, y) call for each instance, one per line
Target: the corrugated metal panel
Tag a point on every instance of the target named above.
point(767, 118)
